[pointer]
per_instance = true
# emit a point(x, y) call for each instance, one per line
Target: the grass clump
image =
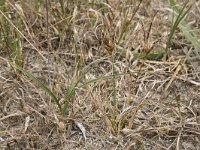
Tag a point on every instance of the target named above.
point(189, 33)
point(177, 17)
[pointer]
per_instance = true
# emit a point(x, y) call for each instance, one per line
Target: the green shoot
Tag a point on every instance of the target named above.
point(181, 15)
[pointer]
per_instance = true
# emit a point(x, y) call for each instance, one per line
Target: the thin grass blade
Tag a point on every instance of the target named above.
point(40, 84)
point(178, 19)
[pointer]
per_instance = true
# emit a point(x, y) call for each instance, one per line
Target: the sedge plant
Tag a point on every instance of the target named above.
point(72, 87)
point(176, 20)
point(189, 33)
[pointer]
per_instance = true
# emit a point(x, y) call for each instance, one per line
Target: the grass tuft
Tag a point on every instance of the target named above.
point(176, 20)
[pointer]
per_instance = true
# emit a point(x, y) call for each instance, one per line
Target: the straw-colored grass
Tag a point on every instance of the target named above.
point(99, 74)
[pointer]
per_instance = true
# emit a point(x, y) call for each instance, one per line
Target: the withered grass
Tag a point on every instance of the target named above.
point(125, 100)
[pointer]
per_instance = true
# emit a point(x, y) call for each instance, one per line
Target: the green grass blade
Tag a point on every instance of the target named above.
point(68, 97)
point(74, 84)
point(178, 19)
point(72, 87)
point(40, 84)
point(190, 34)
point(62, 6)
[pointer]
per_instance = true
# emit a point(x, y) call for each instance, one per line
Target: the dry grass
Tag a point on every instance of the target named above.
point(126, 100)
